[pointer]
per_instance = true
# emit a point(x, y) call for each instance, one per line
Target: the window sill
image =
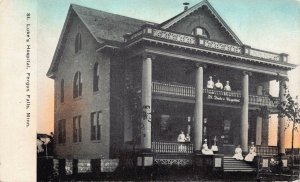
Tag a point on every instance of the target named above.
point(96, 92)
point(96, 141)
point(77, 98)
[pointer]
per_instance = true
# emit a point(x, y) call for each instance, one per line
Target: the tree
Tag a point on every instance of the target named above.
point(289, 107)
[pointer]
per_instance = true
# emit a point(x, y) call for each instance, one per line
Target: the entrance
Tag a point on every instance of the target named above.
point(221, 125)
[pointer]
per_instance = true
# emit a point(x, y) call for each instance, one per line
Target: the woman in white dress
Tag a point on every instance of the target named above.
point(205, 150)
point(219, 85)
point(210, 83)
point(227, 86)
point(238, 153)
point(181, 137)
point(252, 153)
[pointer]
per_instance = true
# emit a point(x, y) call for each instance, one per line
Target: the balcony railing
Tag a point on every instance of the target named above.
point(270, 150)
point(172, 147)
point(175, 89)
point(156, 33)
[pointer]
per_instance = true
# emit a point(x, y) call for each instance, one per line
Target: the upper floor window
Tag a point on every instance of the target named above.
point(96, 77)
point(77, 129)
point(96, 121)
point(62, 92)
point(200, 31)
point(62, 131)
point(78, 42)
point(77, 85)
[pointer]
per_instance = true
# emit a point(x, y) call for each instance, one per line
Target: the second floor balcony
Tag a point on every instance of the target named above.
point(186, 91)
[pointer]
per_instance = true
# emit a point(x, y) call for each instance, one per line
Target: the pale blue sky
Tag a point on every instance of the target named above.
point(272, 25)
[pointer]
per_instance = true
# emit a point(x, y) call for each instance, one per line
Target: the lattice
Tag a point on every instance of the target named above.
point(170, 162)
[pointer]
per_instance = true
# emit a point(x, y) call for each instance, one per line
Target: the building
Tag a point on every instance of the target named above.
point(127, 84)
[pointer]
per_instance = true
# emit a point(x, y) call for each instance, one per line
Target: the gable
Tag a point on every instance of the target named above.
point(205, 16)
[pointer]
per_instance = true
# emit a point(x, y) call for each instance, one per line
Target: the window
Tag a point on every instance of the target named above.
point(62, 94)
point(62, 131)
point(77, 85)
point(78, 42)
point(77, 129)
point(96, 121)
point(200, 31)
point(96, 78)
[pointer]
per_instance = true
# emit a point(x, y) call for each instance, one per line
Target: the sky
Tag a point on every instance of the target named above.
point(272, 25)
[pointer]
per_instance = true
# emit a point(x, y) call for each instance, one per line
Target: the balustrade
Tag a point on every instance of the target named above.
point(182, 90)
point(206, 43)
point(172, 147)
point(270, 150)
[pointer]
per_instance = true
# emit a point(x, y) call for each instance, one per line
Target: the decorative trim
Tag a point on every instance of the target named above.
point(171, 162)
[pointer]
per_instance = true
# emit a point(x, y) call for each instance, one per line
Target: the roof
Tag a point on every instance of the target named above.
point(107, 26)
point(104, 27)
point(167, 24)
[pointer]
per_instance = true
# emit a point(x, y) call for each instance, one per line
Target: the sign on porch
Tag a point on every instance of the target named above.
point(222, 98)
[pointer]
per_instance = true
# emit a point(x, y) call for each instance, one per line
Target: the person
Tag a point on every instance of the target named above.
point(219, 85)
point(187, 138)
point(181, 137)
point(238, 153)
point(227, 86)
point(214, 147)
point(39, 144)
point(205, 150)
point(210, 83)
point(252, 153)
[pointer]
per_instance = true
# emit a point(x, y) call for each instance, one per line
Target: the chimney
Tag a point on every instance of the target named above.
point(186, 6)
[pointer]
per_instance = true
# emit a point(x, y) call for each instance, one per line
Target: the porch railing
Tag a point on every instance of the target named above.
point(270, 150)
point(172, 147)
point(177, 89)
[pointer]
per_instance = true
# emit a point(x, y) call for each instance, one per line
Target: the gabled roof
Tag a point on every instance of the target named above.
point(103, 26)
point(167, 24)
point(107, 26)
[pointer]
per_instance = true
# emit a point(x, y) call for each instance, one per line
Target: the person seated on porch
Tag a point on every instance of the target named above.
point(219, 85)
point(252, 153)
point(227, 86)
point(181, 137)
point(187, 138)
point(210, 83)
point(214, 147)
point(238, 153)
point(205, 150)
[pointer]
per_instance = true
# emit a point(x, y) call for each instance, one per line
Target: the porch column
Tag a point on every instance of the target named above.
point(259, 120)
point(281, 118)
point(244, 114)
point(198, 113)
point(146, 103)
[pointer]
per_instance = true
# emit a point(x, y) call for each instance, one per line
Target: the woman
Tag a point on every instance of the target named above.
point(238, 153)
point(252, 153)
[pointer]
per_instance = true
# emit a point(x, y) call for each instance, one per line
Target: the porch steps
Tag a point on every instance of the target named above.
point(233, 165)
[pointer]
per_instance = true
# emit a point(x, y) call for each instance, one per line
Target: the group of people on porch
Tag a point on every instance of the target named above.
point(214, 148)
point(249, 157)
point(218, 85)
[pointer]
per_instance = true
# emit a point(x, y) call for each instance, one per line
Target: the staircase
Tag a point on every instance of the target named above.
point(233, 165)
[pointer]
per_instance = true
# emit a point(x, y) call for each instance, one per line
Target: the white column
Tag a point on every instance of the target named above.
point(146, 103)
point(259, 121)
point(244, 114)
point(198, 122)
point(281, 119)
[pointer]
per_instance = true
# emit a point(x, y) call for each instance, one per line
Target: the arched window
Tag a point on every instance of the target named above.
point(78, 42)
point(96, 77)
point(62, 91)
point(200, 31)
point(77, 85)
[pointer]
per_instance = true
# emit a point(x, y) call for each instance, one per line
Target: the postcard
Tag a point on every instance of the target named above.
point(149, 90)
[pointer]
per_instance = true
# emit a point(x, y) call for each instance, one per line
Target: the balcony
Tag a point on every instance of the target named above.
point(180, 90)
point(154, 34)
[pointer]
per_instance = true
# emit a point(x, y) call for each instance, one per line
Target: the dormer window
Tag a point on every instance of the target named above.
point(201, 32)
